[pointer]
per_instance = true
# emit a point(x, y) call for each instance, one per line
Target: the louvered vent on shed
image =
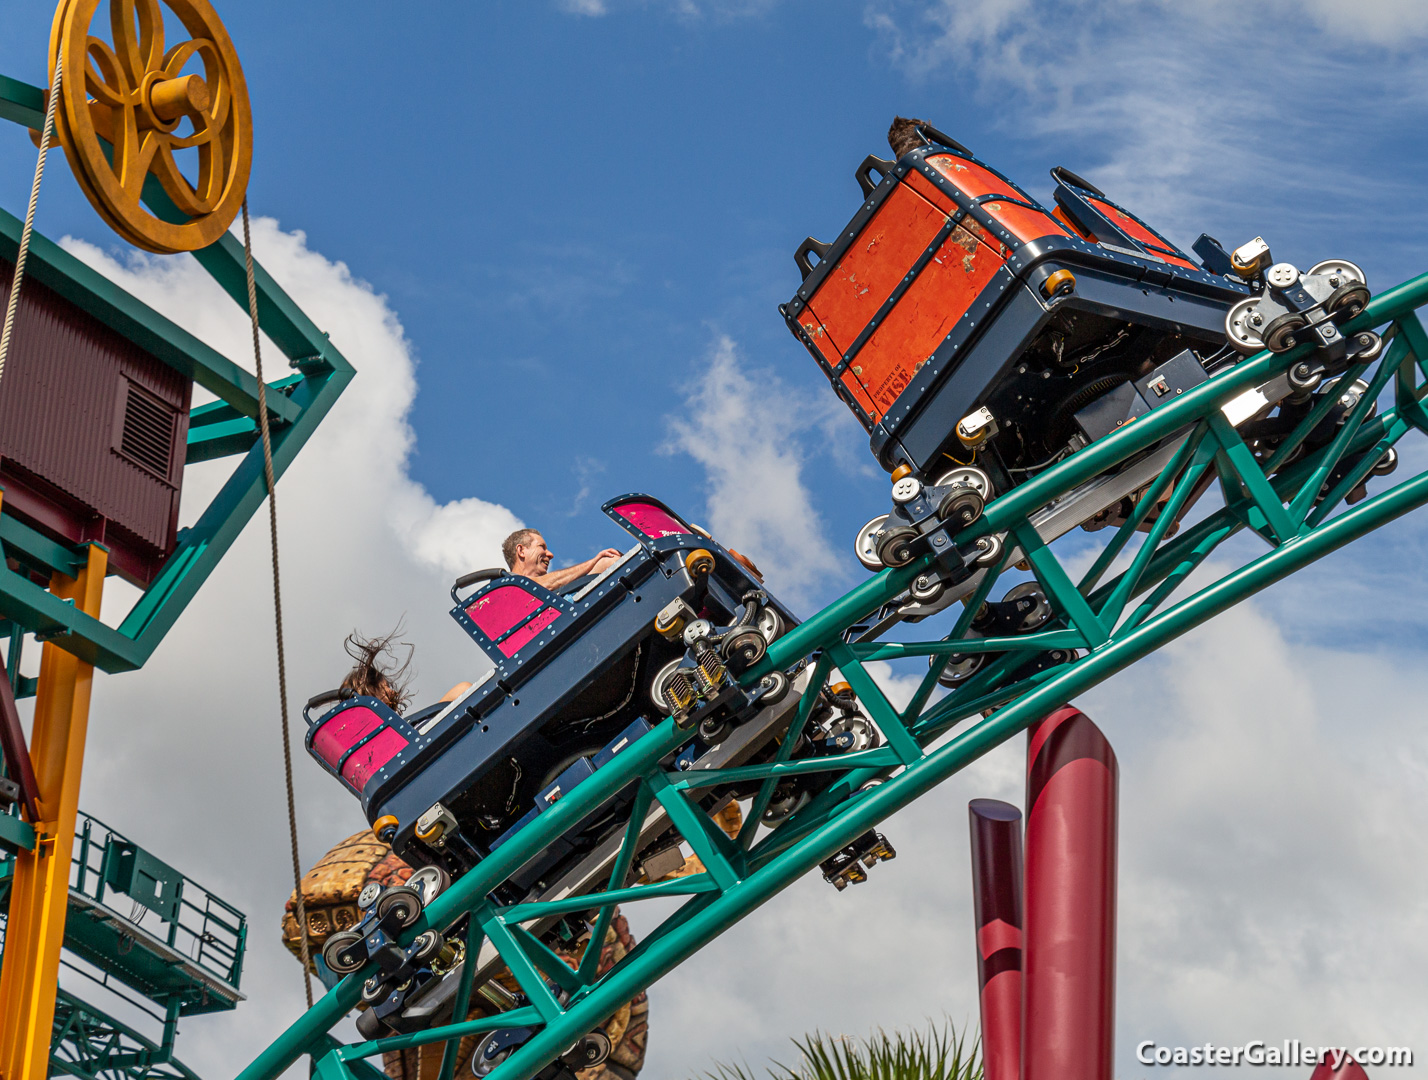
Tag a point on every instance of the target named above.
point(146, 431)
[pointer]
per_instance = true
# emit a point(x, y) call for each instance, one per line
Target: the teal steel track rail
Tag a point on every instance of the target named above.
point(1298, 511)
point(228, 427)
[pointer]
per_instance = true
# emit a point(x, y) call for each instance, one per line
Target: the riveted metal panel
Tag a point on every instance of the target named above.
point(67, 463)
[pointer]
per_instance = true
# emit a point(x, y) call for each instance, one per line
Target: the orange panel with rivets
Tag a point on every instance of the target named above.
point(923, 316)
point(883, 252)
point(1136, 231)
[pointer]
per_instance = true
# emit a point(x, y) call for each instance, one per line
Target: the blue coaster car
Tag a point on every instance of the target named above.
point(576, 677)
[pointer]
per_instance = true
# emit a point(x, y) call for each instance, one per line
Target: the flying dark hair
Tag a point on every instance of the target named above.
point(379, 671)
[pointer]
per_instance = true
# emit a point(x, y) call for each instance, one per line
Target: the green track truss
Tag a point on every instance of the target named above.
point(93, 1046)
point(1298, 511)
point(226, 427)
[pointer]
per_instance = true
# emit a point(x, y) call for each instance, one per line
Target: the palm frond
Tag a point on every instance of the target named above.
point(939, 1053)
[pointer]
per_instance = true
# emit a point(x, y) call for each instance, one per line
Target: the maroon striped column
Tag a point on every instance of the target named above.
point(996, 891)
point(1068, 1019)
point(1348, 1069)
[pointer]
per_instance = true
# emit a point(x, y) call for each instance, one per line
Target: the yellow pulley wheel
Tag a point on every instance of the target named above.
point(131, 108)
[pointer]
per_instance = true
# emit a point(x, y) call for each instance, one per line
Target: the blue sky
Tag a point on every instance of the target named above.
point(567, 210)
point(575, 221)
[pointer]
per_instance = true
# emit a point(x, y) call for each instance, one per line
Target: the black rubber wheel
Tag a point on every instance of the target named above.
point(1387, 463)
point(713, 732)
point(404, 901)
point(989, 550)
point(962, 507)
point(334, 948)
point(1282, 333)
point(926, 591)
point(427, 947)
point(745, 648)
point(895, 548)
point(375, 989)
point(775, 685)
point(1347, 301)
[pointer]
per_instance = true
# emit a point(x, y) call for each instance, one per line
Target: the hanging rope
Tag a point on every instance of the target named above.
point(277, 602)
point(14, 304)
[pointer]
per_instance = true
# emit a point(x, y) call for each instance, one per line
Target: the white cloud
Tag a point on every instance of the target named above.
point(1190, 114)
point(584, 7)
point(747, 429)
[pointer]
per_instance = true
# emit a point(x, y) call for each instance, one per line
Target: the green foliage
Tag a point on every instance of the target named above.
point(939, 1053)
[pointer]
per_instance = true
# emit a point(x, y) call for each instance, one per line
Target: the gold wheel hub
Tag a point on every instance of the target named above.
point(128, 107)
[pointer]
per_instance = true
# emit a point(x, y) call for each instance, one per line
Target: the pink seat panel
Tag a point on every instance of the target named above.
point(349, 727)
point(514, 643)
point(654, 521)
point(371, 756)
point(501, 608)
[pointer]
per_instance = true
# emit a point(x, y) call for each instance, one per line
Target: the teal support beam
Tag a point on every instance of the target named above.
point(21, 103)
point(16, 834)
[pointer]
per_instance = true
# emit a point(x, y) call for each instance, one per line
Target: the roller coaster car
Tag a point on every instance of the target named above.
point(980, 337)
point(576, 678)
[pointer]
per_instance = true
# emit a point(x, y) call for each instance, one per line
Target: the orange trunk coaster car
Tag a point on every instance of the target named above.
point(953, 297)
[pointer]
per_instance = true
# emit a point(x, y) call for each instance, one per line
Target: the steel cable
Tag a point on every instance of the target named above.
point(14, 303)
point(301, 911)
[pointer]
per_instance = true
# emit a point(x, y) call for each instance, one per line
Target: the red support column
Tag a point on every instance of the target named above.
point(1068, 1020)
point(1348, 1069)
point(996, 885)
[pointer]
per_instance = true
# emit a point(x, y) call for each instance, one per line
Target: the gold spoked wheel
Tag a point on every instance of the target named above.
point(123, 110)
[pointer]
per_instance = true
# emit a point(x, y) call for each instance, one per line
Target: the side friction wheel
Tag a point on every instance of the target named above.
point(957, 668)
point(589, 1051)
point(401, 900)
point(971, 491)
point(429, 882)
point(137, 107)
point(340, 956)
point(1241, 329)
point(745, 648)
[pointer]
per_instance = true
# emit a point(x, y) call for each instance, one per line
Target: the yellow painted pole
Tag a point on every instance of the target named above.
point(40, 892)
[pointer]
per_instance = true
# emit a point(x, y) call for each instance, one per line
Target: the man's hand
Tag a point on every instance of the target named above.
point(604, 560)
